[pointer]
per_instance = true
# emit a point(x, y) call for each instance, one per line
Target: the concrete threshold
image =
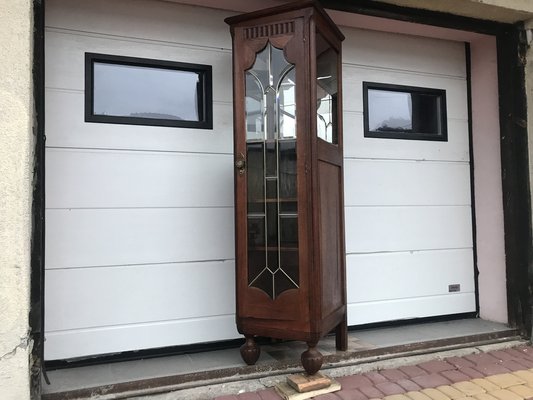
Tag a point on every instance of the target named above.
point(234, 380)
point(210, 390)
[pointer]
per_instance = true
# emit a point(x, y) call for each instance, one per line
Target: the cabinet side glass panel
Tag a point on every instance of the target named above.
point(327, 88)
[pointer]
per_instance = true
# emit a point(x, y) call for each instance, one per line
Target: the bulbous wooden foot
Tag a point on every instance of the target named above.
point(312, 359)
point(250, 351)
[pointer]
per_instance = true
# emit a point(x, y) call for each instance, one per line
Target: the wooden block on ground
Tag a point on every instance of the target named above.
point(306, 383)
point(289, 393)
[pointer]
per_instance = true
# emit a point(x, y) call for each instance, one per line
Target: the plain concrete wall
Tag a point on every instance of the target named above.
point(16, 165)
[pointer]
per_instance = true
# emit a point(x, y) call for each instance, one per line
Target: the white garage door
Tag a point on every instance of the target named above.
point(408, 202)
point(139, 236)
point(139, 221)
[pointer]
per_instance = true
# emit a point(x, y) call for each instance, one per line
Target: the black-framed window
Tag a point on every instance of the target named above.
point(404, 112)
point(140, 91)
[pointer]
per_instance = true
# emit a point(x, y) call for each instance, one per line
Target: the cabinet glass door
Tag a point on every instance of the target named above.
point(272, 211)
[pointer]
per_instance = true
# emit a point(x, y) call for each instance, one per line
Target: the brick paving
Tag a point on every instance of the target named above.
point(495, 375)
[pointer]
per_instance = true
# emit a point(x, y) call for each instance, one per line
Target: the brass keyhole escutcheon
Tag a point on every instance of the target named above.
point(240, 164)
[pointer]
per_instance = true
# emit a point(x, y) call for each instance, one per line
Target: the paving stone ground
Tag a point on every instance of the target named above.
point(495, 375)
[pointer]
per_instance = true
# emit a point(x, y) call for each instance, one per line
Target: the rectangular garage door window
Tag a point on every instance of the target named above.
point(139, 91)
point(404, 112)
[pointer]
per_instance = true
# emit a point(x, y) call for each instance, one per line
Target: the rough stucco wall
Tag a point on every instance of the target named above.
point(16, 160)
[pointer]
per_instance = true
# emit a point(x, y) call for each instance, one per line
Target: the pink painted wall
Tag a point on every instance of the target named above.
point(487, 178)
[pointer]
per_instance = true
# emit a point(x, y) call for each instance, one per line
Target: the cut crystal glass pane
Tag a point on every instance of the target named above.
point(256, 263)
point(326, 90)
point(261, 67)
point(272, 259)
point(255, 178)
point(270, 98)
point(145, 92)
point(256, 231)
point(282, 283)
point(289, 264)
point(271, 158)
point(272, 190)
point(288, 231)
point(287, 105)
point(287, 176)
point(272, 225)
point(265, 282)
point(255, 118)
point(278, 66)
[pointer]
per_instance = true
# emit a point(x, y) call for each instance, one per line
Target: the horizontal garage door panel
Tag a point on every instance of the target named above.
point(78, 343)
point(358, 146)
point(71, 48)
point(392, 182)
point(430, 273)
point(383, 229)
point(353, 78)
point(153, 20)
point(110, 179)
point(98, 297)
point(97, 237)
point(418, 307)
point(65, 127)
point(410, 53)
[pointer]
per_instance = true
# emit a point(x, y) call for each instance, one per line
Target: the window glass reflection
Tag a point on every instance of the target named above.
point(406, 112)
point(326, 90)
point(145, 92)
point(389, 111)
point(255, 116)
point(270, 96)
point(287, 105)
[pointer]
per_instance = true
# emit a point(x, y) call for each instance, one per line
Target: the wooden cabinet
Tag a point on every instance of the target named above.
point(289, 211)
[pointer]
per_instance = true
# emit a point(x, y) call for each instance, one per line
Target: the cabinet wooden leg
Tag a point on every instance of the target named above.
point(341, 335)
point(250, 351)
point(312, 359)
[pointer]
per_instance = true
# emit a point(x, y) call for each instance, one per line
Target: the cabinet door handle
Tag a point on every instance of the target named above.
point(240, 164)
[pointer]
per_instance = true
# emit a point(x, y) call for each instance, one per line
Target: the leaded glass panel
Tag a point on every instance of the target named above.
point(271, 177)
point(326, 90)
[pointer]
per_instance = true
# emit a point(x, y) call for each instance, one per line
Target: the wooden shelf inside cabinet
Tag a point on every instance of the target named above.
point(272, 201)
point(272, 248)
point(286, 71)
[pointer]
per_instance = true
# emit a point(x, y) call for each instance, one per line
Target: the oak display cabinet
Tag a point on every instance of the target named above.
point(289, 207)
